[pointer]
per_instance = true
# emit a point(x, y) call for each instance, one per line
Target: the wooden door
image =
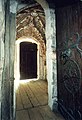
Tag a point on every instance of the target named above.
point(69, 60)
point(28, 60)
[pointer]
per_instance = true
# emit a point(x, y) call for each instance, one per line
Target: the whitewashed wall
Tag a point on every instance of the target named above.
point(50, 53)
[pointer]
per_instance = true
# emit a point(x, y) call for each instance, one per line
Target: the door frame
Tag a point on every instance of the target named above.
point(17, 58)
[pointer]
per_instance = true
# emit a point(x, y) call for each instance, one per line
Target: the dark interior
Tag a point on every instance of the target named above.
point(28, 60)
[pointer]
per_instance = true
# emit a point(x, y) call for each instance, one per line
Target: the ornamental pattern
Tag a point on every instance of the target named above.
point(71, 68)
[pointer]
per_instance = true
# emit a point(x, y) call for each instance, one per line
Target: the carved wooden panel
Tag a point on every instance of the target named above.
point(69, 55)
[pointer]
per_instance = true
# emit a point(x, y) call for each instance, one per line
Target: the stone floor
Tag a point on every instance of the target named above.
point(32, 102)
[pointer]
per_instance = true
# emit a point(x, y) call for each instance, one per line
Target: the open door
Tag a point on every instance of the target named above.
point(69, 60)
point(28, 60)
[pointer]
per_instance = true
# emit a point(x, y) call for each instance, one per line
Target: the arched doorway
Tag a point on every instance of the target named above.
point(26, 59)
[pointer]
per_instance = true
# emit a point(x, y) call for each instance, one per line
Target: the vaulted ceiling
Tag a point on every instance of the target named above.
point(31, 23)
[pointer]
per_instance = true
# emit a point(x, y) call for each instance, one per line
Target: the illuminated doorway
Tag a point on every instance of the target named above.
point(26, 55)
point(28, 60)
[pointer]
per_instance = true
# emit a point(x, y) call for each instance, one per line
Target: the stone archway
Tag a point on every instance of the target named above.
point(50, 53)
point(8, 69)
